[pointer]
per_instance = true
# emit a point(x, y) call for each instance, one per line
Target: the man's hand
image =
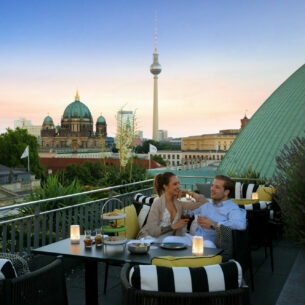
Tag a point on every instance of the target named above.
point(204, 222)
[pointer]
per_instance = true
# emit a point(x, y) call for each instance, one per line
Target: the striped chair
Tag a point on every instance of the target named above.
point(220, 284)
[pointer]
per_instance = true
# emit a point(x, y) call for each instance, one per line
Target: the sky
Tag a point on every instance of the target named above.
point(220, 59)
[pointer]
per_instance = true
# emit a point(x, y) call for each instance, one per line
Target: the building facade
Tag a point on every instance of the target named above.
point(219, 142)
point(76, 129)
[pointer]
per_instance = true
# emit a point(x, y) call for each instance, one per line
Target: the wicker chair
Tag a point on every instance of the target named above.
point(43, 286)
point(133, 296)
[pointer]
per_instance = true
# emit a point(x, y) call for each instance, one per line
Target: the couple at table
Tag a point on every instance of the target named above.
point(165, 224)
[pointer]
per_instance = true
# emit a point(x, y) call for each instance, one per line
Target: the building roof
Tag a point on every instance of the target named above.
point(101, 119)
point(77, 109)
point(279, 120)
point(48, 119)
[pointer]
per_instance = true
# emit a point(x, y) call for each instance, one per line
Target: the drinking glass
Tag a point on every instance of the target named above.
point(88, 239)
point(98, 237)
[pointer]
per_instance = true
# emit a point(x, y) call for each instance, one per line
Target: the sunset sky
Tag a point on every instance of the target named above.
point(220, 59)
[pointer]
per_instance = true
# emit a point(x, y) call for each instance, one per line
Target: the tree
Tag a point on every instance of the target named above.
point(290, 188)
point(13, 144)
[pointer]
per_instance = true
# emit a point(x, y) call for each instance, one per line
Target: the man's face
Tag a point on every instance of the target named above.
point(218, 193)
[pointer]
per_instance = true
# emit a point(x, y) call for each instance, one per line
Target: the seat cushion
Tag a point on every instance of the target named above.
point(145, 203)
point(244, 201)
point(132, 226)
point(20, 264)
point(186, 261)
point(265, 192)
point(218, 277)
point(7, 270)
point(204, 189)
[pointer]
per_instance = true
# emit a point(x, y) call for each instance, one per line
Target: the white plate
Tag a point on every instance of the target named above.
point(118, 241)
point(119, 216)
point(173, 246)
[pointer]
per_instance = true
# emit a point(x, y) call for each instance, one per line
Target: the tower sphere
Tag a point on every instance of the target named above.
point(155, 67)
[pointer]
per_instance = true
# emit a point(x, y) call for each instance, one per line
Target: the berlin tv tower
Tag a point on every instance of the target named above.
point(155, 69)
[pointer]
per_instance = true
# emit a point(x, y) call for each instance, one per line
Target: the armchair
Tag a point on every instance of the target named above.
point(132, 295)
point(43, 286)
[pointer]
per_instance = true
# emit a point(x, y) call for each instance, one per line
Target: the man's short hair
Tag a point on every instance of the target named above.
point(228, 184)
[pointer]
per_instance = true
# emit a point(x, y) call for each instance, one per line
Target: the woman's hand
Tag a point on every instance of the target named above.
point(182, 193)
point(181, 223)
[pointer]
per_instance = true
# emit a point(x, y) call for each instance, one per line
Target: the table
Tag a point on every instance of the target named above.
point(110, 254)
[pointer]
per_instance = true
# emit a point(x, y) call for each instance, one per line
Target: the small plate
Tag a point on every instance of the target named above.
point(173, 246)
point(115, 241)
point(113, 217)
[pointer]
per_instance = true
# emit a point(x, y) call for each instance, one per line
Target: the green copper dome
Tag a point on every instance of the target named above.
point(48, 120)
point(77, 109)
point(279, 120)
point(101, 119)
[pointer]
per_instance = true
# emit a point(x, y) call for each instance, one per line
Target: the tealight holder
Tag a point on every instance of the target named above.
point(254, 196)
point(74, 234)
point(198, 245)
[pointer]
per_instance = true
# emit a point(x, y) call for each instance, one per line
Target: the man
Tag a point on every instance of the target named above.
point(221, 211)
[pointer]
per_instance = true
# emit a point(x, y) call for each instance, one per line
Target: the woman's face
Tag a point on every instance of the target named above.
point(173, 186)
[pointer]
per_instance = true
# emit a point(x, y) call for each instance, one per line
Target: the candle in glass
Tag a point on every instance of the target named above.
point(198, 245)
point(74, 234)
point(254, 195)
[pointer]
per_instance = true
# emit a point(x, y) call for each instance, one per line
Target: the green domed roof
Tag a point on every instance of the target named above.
point(77, 109)
point(48, 120)
point(279, 120)
point(101, 119)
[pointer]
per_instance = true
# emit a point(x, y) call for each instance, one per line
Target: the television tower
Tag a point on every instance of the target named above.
point(155, 69)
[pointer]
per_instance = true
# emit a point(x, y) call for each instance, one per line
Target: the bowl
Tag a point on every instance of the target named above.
point(138, 248)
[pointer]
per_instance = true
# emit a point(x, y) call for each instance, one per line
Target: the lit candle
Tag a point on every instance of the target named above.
point(254, 195)
point(198, 245)
point(74, 234)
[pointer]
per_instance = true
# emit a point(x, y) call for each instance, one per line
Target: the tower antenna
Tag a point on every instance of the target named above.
point(156, 34)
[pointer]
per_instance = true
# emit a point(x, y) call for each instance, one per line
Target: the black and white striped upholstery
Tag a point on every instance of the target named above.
point(218, 277)
point(7, 270)
point(255, 206)
point(20, 264)
point(145, 203)
point(244, 190)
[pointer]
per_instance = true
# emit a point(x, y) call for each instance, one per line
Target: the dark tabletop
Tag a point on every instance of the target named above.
point(114, 253)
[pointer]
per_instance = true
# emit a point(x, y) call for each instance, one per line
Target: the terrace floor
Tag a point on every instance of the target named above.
point(284, 286)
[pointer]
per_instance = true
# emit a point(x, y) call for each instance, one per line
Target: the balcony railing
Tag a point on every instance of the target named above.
point(43, 225)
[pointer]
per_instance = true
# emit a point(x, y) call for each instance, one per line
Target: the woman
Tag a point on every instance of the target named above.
point(164, 218)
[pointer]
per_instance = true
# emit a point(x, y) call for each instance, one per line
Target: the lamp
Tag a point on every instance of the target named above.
point(198, 245)
point(74, 234)
point(254, 196)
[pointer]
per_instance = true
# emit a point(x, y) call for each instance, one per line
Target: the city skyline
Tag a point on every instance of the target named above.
point(220, 60)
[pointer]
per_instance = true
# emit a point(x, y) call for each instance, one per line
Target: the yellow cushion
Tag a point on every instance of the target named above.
point(265, 193)
point(132, 225)
point(186, 261)
point(244, 201)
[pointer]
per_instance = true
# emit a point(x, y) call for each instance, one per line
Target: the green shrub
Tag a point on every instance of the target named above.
point(290, 184)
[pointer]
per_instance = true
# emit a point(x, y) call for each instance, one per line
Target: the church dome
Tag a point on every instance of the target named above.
point(48, 120)
point(101, 119)
point(77, 109)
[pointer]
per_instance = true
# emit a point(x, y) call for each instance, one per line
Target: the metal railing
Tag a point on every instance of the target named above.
point(42, 225)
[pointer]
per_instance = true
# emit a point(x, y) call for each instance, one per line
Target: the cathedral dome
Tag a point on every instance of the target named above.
point(101, 119)
point(77, 109)
point(48, 120)
point(48, 123)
